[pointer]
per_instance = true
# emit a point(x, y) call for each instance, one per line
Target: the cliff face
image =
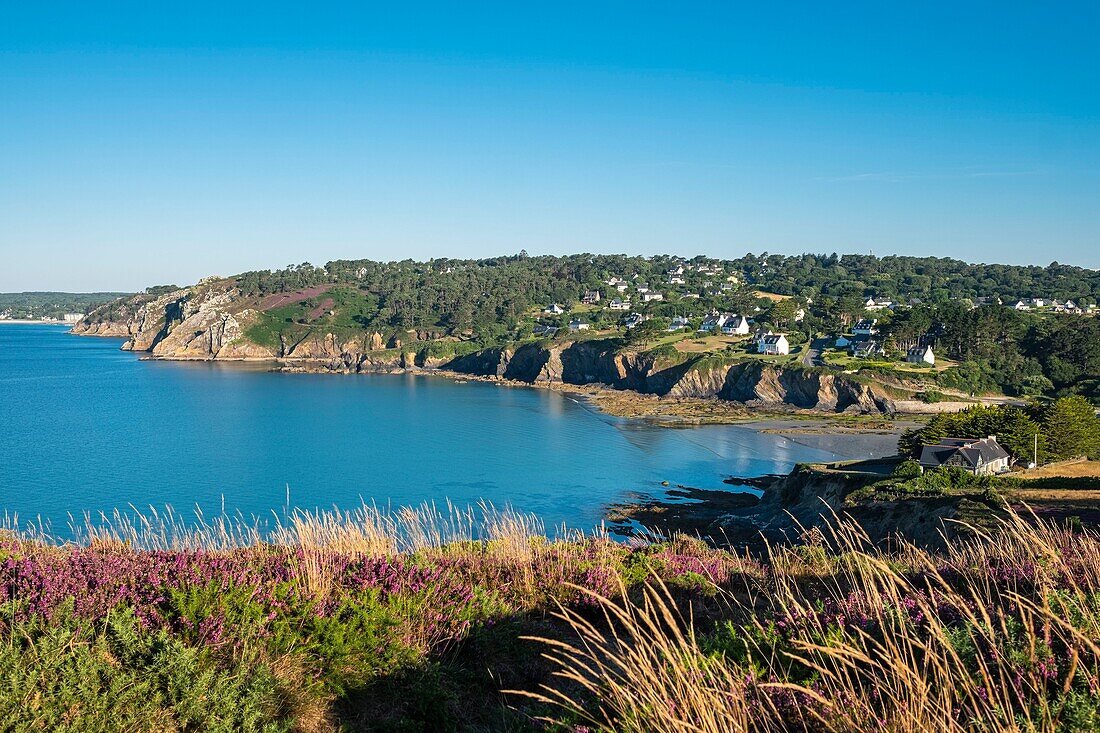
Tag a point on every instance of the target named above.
point(754, 383)
point(211, 321)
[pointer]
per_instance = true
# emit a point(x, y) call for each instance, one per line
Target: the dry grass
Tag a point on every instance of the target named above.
point(1064, 469)
point(942, 643)
point(367, 530)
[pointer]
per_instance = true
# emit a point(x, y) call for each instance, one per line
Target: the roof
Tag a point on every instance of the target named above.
point(974, 451)
point(774, 338)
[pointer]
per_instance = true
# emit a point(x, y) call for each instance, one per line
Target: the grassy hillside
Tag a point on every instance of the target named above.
point(438, 622)
point(52, 305)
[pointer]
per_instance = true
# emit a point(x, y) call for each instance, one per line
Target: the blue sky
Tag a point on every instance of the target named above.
point(140, 145)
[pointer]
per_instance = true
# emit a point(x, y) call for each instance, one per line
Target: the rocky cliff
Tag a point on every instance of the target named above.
point(602, 362)
point(212, 321)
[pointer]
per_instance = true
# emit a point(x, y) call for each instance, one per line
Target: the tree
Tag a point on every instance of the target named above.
point(646, 331)
point(1013, 426)
point(1071, 428)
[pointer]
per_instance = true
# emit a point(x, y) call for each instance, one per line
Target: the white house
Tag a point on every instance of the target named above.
point(678, 322)
point(651, 295)
point(865, 327)
point(921, 355)
point(711, 322)
point(578, 325)
point(866, 349)
point(619, 305)
point(980, 457)
point(553, 310)
point(775, 344)
point(634, 319)
point(736, 326)
point(676, 280)
point(877, 304)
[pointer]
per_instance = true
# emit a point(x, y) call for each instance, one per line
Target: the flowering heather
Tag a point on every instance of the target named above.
point(512, 632)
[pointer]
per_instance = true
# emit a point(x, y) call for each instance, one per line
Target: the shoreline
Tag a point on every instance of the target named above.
point(34, 322)
point(663, 411)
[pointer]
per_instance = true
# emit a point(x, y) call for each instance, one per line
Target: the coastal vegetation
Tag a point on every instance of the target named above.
point(1064, 428)
point(443, 620)
point(991, 332)
point(50, 305)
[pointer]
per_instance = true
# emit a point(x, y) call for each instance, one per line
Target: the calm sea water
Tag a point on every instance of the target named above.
point(85, 427)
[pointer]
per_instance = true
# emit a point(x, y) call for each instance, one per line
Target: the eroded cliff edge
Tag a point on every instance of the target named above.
point(210, 321)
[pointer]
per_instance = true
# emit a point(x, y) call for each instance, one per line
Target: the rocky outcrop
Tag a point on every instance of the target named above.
point(211, 321)
point(809, 498)
point(600, 362)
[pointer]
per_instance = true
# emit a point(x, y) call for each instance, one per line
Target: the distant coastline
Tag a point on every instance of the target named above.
point(30, 322)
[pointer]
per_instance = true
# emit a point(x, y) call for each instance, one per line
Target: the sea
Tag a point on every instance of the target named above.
point(86, 428)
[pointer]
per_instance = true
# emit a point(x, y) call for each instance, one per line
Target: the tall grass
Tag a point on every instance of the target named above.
point(367, 530)
point(999, 632)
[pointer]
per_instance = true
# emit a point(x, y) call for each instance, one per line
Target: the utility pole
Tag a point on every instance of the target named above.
point(1035, 452)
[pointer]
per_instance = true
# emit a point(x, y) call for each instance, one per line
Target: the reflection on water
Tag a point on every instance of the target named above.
point(87, 427)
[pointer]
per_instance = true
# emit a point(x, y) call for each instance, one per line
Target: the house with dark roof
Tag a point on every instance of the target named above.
point(921, 355)
point(866, 349)
point(865, 327)
point(979, 456)
point(775, 344)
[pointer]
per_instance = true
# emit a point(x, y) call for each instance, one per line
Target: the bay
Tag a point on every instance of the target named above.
point(85, 427)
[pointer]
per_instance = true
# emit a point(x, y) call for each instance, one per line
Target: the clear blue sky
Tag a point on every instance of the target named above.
point(140, 145)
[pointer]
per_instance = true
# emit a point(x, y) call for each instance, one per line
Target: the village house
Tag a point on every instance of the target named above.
point(979, 456)
point(866, 349)
point(619, 305)
point(643, 287)
point(579, 325)
point(651, 296)
point(553, 310)
point(622, 287)
point(921, 355)
point(712, 321)
point(842, 342)
point(735, 326)
point(541, 329)
point(1027, 304)
point(591, 297)
point(676, 280)
point(775, 345)
point(634, 319)
point(677, 323)
point(877, 304)
point(865, 327)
